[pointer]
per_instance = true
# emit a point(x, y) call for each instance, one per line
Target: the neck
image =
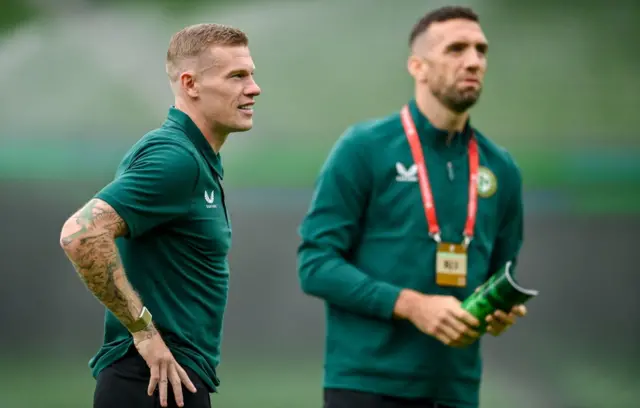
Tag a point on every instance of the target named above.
point(439, 115)
point(214, 135)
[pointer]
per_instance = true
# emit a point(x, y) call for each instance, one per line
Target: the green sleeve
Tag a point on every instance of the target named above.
point(510, 235)
point(155, 188)
point(329, 232)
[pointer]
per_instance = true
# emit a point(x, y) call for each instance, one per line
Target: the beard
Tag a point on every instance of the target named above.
point(457, 100)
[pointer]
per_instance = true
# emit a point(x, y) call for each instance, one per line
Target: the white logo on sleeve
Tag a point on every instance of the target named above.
point(406, 175)
point(209, 199)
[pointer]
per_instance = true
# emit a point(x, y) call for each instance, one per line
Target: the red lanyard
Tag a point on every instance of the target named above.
point(425, 188)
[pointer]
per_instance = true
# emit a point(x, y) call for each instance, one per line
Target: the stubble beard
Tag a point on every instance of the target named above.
point(456, 100)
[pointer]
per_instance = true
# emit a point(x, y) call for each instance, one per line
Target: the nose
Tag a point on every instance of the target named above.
point(473, 60)
point(253, 89)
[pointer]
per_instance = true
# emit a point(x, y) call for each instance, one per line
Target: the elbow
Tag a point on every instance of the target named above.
point(310, 276)
point(68, 237)
point(306, 281)
point(66, 240)
point(306, 274)
point(309, 284)
point(316, 265)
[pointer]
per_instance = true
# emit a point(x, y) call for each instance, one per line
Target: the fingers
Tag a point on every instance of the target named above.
point(169, 371)
point(163, 384)
point(502, 318)
point(459, 339)
point(154, 379)
point(500, 321)
point(454, 333)
point(519, 310)
point(494, 331)
point(176, 384)
point(456, 324)
point(184, 378)
point(441, 334)
point(462, 330)
point(465, 317)
point(454, 328)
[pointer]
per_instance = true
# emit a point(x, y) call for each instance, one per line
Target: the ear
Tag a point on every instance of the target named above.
point(417, 68)
point(188, 84)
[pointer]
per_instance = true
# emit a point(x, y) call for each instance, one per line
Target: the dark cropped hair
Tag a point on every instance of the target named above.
point(440, 15)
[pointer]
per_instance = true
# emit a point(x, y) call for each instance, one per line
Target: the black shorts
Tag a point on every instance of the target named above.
point(338, 398)
point(124, 385)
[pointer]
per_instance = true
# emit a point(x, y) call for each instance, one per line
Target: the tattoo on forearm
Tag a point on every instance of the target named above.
point(92, 250)
point(146, 334)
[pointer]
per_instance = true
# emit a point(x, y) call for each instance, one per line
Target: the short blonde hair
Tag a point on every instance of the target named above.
point(192, 41)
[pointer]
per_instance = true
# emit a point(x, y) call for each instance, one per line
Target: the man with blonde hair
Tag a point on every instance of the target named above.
point(152, 245)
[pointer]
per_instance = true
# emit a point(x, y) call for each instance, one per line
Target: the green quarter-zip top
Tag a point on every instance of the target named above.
point(365, 238)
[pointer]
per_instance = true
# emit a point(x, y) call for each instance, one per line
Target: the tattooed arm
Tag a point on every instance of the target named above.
point(155, 188)
point(88, 239)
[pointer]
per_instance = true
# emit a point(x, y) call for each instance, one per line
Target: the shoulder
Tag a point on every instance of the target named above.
point(373, 130)
point(499, 159)
point(168, 147)
point(164, 155)
point(359, 139)
point(166, 140)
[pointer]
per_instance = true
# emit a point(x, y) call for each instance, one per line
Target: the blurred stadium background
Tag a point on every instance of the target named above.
point(82, 80)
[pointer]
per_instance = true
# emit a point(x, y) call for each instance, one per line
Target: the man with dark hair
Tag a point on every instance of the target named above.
point(411, 213)
point(152, 245)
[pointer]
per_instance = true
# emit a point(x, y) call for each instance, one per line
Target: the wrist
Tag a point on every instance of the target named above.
point(407, 303)
point(142, 322)
point(144, 334)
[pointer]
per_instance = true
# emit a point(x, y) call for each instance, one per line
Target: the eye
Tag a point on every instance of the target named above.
point(457, 47)
point(241, 74)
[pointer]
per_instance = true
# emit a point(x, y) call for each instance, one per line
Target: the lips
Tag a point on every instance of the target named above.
point(474, 81)
point(247, 106)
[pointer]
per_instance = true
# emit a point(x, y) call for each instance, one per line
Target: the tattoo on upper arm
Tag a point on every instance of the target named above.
point(97, 214)
point(89, 242)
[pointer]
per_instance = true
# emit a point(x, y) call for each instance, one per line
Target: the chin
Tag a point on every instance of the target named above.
point(462, 105)
point(463, 102)
point(242, 126)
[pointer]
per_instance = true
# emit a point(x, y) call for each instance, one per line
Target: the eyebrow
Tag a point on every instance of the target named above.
point(483, 46)
point(242, 70)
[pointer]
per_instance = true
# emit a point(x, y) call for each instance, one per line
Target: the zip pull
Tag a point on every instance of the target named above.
point(450, 171)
